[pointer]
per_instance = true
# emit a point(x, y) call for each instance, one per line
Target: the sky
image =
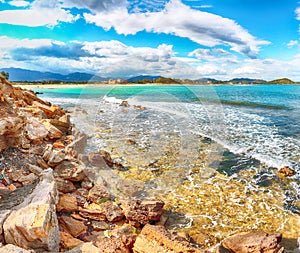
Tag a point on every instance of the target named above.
point(221, 39)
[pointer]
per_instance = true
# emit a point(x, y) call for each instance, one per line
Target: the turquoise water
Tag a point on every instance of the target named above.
point(257, 126)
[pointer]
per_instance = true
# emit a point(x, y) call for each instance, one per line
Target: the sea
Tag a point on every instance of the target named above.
point(212, 153)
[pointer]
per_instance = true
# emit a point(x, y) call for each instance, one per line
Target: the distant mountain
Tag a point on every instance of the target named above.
point(281, 81)
point(139, 78)
point(16, 74)
point(246, 80)
point(205, 80)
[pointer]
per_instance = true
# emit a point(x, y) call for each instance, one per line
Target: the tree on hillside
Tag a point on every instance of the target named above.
point(5, 74)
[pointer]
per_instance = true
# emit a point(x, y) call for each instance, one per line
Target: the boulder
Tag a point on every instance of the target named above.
point(98, 193)
point(33, 224)
point(158, 239)
point(252, 242)
point(77, 146)
point(53, 132)
point(10, 248)
point(70, 170)
point(143, 211)
point(112, 212)
point(67, 203)
point(35, 130)
point(64, 186)
point(85, 248)
point(287, 171)
point(68, 242)
point(72, 226)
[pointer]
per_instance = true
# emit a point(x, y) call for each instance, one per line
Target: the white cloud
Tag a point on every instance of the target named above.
point(213, 55)
point(247, 70)
point(11, 43)
point(201, 27)
point(297, 11)
point(40, 13)
point(210, 70)
point(19, 3)
point(292, 43)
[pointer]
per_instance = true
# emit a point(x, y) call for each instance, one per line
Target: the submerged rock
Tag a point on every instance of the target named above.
point(252, 242)
point(158, 239)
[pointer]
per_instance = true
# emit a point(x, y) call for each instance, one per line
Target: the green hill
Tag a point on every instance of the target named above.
point(281, 81)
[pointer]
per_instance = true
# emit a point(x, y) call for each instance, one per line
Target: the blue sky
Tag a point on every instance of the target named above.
point(174, 38)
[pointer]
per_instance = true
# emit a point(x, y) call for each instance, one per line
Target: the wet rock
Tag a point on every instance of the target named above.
point(67, 203)
point(10, 248)
point(96, 159)
point(68, 242)
point(143, 211)
point(139, 107)
point(33, 224)
point(70, 170)
point(35, 130)
point(72, 226)
point(98, 193)
point(158, 239)
point(109, 161)
point(125, 103)
point(287, 171)
point(64, 186)
point(252, 242)
point(112, 212)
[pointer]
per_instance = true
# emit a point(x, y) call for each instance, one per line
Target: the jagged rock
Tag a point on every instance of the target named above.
point(112, 212)
point(143, 211)
point(63, 124)
point(158, 239)
point(70, 170)
point(72, 226)
point(35, 130)
point(98, 192)
point(87, 184)
point(77, 146)
point(33, 224)
point(96, 159)
point(27, 179)
point(64, 186)
point(10, 131)
point(56, 157)
point(252, 242)
point(100, 225)
point(287, 171)
point(85, 248)
point(124, 103)
point(10, 248)
point(67, 203)
point(68, 242)
point(109, 161)
point(93, 214)
point(35, 169)
point(53, 132)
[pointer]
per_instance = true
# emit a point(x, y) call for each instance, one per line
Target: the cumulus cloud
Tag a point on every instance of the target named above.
point(210, 70)
point(19, 3)
point(213, 55)
point(95, 6)
point(297, 11)
point(247, 70)
point(38, 13)
point(292, 43)
point(201, 27)
point(107, 58)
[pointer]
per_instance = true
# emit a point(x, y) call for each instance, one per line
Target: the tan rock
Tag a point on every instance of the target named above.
point(72, 226)
point(68, 242)
point(253, 242)
point(35, 130)
point(85, 248)
point(53, 132)
point(67, 203)
point(77, 146)
point(10, 248)
point(33, 224)
point(28, 179)
point(112, 212)
point(143, 211)
point(35, 169)
point(64, 186)
point(98, 192)
point(56, 157)
point(96, 159)
point(158, 239)
point(111, 245)
point(70, 170)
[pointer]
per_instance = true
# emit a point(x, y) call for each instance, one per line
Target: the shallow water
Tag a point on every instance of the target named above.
point(211, 153)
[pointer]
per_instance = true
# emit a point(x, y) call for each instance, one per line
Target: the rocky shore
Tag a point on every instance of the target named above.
point(52, 199)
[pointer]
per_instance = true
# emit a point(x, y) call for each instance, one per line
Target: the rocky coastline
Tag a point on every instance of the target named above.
point(51, 199)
